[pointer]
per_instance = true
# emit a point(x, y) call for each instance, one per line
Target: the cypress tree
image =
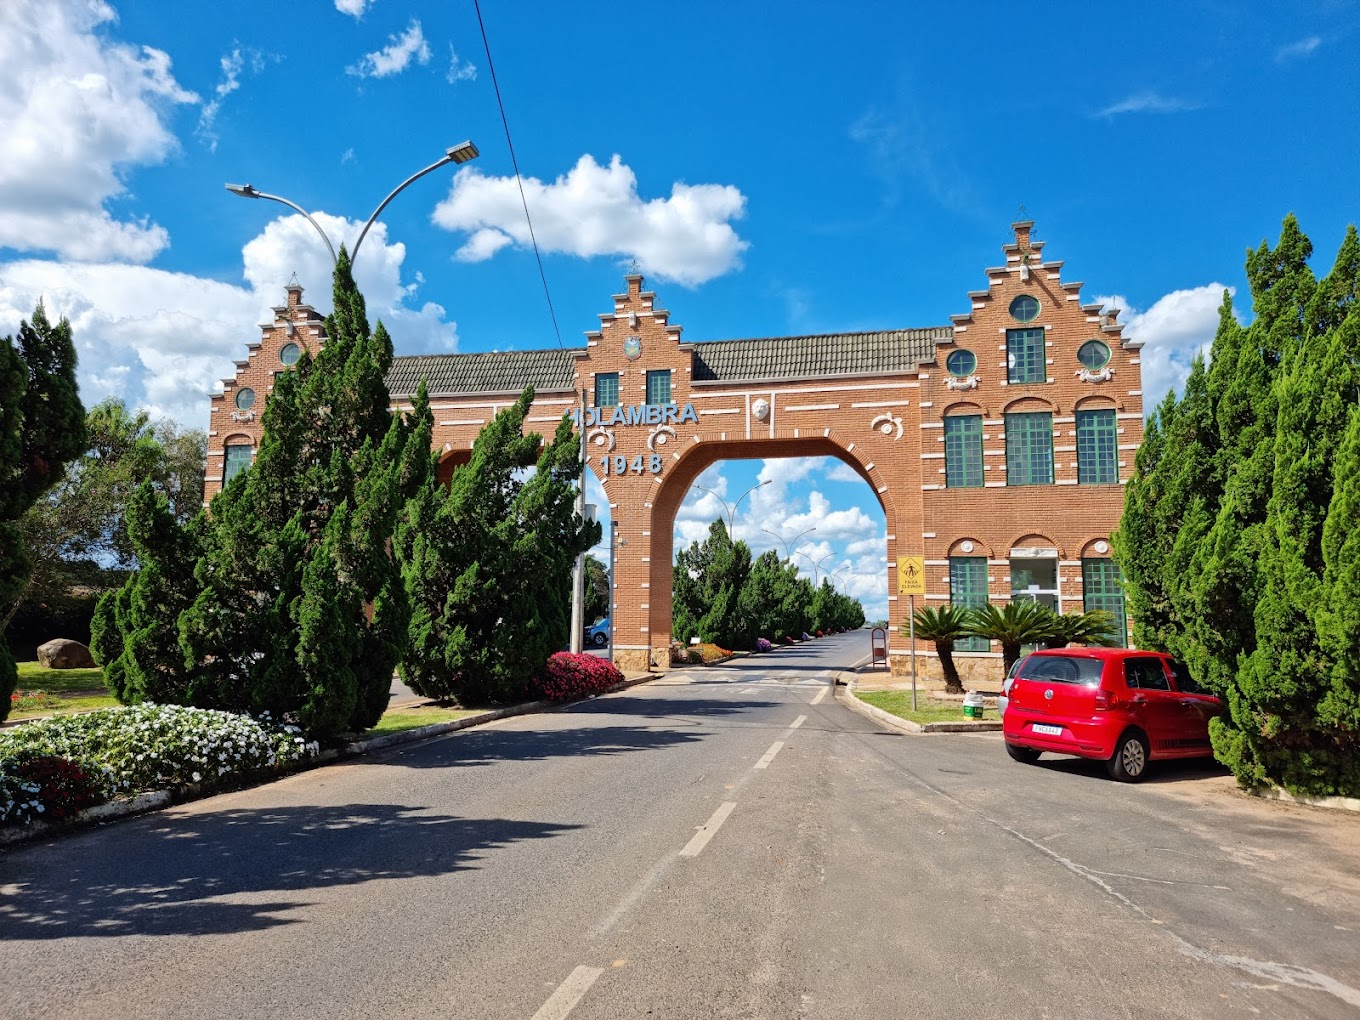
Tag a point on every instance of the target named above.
point(1139, 546)
point(300, 610)
point(487, 562)
point(1280, 684)
point(1338, 619)
point(1225, 570)
point(42, 427)
point(135, 632)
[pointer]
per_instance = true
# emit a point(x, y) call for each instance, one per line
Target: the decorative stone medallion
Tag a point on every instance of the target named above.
point(760, 410)
point(632, 348)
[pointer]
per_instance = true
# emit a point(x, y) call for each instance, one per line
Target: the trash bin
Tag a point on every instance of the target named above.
point(972, 705)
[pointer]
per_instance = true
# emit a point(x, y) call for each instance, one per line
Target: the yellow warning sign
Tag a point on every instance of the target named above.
point(911, 575)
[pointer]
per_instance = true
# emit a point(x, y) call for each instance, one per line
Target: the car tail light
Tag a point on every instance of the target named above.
point(1105, 700)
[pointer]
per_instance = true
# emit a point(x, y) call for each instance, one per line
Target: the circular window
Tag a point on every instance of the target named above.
point(961, 362)
point(245, 399)
point(1093, 355)
point(1025, 308)
point(290, 354)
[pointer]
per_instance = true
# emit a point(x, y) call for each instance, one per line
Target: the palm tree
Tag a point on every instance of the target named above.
point(1022, 622)
point(944, 626)
point(1096, 627)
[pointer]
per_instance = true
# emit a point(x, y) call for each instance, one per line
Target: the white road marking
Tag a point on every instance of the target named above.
point(798, 722)
point(820, 695)
point(568, 993)
point(769, 755)
point(707, 830)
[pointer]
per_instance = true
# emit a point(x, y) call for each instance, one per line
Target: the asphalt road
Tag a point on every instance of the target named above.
point(723, 842)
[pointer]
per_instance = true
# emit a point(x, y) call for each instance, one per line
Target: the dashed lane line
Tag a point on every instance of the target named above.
point(706, 831)
point(769, 755)
point(568, 993)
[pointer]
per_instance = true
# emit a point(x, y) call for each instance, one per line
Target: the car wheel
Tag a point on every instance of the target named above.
point(1025, 755)
point(600, 640)
point(1129, 762)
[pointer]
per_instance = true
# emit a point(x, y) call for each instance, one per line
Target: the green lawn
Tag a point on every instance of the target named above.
point(928, 710)
point(395, 720)
point(45, 691)
point(35, 677)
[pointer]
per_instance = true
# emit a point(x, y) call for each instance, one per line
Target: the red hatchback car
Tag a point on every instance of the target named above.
point(1117, 705)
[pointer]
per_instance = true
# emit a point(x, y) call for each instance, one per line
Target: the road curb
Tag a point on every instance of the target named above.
point(851, 701)
point(1283, 795)
point(153, 800)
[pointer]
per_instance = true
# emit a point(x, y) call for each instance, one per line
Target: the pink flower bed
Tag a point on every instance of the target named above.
point(569, 676)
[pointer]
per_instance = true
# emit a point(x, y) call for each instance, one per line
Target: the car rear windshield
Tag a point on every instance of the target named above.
point(1063, 669)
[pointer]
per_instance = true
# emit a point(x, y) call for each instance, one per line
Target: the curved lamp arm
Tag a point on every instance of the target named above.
point(249, 191)
point(457, 154)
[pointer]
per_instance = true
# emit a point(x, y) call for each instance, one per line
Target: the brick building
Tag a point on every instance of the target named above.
point(997, 446)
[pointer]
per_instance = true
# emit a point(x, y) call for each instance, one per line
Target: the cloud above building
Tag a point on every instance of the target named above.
point(595, 210)
point(80, 111)
point(1178, 326)
point(163, 340)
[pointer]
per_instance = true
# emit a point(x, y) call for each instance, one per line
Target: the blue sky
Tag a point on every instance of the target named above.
point(773, 169)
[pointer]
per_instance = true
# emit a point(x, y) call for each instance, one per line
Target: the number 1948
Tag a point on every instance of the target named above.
point(619, 464)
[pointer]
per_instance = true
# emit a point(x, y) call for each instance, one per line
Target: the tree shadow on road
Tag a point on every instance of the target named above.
point(172, 873)
point(661, 723)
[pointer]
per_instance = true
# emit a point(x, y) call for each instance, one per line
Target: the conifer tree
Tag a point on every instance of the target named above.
point(301, 611)
point(487, 562)
point(135, 631)
point(1279, 686)
point(1338, 619)
point(1225, 570)
point(42, 427)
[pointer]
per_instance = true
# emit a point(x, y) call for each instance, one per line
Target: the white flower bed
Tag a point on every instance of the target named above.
point(152, 747)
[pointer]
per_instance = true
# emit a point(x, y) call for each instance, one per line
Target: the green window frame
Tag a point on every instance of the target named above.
point(1025, 356)
point(1097, 448)
point(236, 458)
point(606, 389)
point(1029, 448)
point(1103, 588)
point(968, 589)
point(659, 386)
point(963, 451)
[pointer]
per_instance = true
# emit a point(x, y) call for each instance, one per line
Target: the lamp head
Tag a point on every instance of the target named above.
point(462, 153)
point(244, 190)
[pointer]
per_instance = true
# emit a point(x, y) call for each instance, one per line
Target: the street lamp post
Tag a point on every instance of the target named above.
point(455, 154)
point(732, 510)
point(788, 543)
point(816, 564)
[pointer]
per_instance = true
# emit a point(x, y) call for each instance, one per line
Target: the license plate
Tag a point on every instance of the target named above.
point(1047, 730)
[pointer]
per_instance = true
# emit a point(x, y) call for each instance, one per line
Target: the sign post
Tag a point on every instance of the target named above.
point(911, 581)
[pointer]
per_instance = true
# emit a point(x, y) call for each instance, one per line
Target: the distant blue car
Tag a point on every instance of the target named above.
point(597, 634)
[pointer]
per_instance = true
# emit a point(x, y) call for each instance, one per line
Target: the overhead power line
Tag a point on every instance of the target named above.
point(491, 65)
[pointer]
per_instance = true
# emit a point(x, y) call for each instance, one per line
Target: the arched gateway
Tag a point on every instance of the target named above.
point(997, 445)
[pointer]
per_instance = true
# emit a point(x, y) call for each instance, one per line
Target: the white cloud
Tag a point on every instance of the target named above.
point(843, 472)
point(1148, 102)
point(459, 70)
point(78, 110)
point(354, 8)
point(1302, 48)
point(396, 56)
point(1176, 328)
point(595, 210)
point(232, 65)
point(162, 340)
